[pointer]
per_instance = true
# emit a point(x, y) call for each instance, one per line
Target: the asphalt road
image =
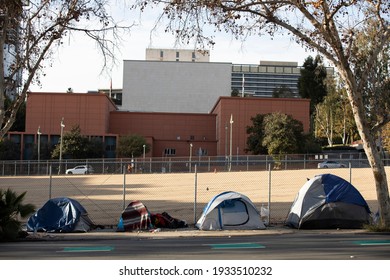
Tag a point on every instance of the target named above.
point(344, 246)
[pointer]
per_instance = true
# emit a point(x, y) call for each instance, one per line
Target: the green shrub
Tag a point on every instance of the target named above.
point(11, 208)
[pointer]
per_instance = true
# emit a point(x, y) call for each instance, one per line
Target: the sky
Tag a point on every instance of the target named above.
point(78, 63)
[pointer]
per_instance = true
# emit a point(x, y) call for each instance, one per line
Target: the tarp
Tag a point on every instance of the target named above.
point(136, 216)
point(230, 210)
point(328, 201)
point(60, 214)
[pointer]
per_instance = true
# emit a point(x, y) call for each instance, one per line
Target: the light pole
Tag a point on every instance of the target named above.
point(39, 147)
point(231, 140)
point(62, 131)
point(190, 156)
point(143, 164)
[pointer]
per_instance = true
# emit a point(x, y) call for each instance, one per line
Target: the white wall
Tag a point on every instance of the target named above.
point(180, 87)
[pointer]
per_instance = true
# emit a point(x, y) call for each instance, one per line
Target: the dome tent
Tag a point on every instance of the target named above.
point(328, 201)
point(60, 214)
point(230, 210)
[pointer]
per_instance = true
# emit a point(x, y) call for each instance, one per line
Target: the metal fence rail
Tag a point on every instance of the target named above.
point(183, 165)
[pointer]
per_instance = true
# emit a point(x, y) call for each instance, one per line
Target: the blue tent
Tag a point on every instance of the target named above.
point(328, 201)
point(60, 215)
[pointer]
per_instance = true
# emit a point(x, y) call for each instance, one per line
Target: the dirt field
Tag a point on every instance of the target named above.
point(182, 195)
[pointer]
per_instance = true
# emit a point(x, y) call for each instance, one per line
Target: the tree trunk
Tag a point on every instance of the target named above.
point(3, 34)
point(373, 155)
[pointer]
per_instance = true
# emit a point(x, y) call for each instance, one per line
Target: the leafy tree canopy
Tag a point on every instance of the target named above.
point(132, 146)
point(77, 146)
point(275, 133)
point(311, 83)
point(9, 150)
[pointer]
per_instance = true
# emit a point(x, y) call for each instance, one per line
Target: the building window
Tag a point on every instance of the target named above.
point(192, 137)
point(170, 152)
point(161, 54)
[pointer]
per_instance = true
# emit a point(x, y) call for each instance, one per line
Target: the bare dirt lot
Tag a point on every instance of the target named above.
point(182, 195)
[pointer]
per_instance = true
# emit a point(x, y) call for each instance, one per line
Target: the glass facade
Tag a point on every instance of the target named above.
point(262, 80)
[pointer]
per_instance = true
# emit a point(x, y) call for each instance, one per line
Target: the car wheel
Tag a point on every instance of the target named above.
point(70, 172)
point(325, 166)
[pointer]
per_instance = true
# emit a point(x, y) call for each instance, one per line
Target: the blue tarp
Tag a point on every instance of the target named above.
point(57, 215)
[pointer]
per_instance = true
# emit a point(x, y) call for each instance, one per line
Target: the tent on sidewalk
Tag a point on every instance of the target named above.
point(135, 216)
point(230, 210)
point(60, 214)
point(328, 201)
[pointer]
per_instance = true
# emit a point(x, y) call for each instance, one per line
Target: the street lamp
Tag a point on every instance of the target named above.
point(143, 164)
point(190, 156)
point(231, 140)
point(39, 146)
point(62, 131)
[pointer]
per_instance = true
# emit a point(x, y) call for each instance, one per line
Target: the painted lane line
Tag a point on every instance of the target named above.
point(373, 242)
point(87, 249)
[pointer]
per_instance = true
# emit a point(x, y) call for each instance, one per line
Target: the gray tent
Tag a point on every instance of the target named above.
point(328, 201)
point(230, 210)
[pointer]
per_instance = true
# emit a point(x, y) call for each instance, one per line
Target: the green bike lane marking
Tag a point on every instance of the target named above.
point(372, 242)
point(236, 246)
point(88, 249)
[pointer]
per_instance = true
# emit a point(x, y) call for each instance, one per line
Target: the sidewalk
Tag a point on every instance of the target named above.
point(180, 233)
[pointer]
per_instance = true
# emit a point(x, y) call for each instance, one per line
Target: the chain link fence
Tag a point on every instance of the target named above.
point(183, 194)
point(184, 164)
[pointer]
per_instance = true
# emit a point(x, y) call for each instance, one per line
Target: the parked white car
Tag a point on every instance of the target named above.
point(80, 169)
point(331, 164)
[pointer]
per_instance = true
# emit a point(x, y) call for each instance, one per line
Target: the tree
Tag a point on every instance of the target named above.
point(333, 116)
point(132, 146)
point(282, 134)
point(275, 133)
point(77, 146)
point(11, 208)
point(283, 92)
point(20, 118)
point(332, 28)
point(311, 83)
point(9, 150)
point(33, 30)
point(235, 92)
point(255, 133)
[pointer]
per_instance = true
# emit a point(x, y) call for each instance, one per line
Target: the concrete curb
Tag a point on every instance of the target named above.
point(179, 233)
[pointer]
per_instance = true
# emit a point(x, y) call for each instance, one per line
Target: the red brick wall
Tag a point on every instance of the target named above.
point(89, 111)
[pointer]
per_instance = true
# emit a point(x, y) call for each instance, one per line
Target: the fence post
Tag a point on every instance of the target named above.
point(269, 193)
point(350, 173)
point(124, 188)
point(50, 181)
point(195, 192)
